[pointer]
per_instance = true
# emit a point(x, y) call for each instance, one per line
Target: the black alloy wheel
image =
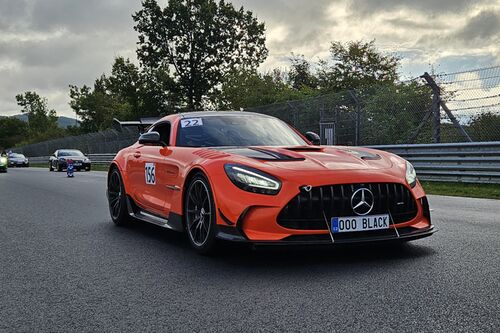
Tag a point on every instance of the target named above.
point(117, 199)
point(199, 208)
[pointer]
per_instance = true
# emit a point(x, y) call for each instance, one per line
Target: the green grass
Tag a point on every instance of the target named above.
point(489, 191)
point(94, 166)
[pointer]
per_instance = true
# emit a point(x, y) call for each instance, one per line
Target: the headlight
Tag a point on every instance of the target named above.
point(62, 159)
point(252, 180)
point(411, 175)
point(3, 160)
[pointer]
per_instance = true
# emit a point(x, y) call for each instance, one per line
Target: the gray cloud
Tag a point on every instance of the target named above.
point(12, 12)
point(45, 45)
point(434, 7)
point(83, 16)
point(304, 21)
point(485, 26)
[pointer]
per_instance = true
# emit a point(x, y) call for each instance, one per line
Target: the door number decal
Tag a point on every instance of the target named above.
point(150, 174)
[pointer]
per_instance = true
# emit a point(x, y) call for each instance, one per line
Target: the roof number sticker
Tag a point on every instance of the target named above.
point(192, 122)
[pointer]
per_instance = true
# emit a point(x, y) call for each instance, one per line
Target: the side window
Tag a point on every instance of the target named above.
point(164, 130)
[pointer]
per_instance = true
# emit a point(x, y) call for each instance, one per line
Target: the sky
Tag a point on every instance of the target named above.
point(46, 45)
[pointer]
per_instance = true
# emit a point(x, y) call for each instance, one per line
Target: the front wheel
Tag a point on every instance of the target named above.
point(117, 199)
point(199, 215)
point(51, 168)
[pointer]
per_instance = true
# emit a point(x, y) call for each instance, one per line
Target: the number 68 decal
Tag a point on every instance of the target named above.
point(150, 174)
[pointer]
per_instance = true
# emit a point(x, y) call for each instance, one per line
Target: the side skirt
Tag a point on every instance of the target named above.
point(173, 223)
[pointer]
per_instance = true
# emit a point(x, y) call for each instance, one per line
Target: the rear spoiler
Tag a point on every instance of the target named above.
point(142, 124)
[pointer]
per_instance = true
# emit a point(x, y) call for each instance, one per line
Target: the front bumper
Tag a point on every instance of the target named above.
point(370, 237)
point(256, 219)
point(19, 164)
point(83, 165)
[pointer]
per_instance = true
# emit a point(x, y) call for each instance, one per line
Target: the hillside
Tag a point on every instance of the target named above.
point(62, 122)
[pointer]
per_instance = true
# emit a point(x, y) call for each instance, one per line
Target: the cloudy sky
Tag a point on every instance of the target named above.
point(45, 45)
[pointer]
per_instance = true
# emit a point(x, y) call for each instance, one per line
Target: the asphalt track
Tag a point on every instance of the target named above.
point(65, 267)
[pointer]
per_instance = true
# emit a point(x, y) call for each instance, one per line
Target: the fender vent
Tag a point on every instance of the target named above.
point(210, 153)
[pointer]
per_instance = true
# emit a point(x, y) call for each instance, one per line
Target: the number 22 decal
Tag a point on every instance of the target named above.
point(150, 174)
point(192, 122)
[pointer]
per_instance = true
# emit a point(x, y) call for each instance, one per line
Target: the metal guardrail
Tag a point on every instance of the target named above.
point(98, 159)
point(476, 162)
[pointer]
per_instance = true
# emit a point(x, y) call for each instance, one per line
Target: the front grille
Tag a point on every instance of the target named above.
point(307, 210)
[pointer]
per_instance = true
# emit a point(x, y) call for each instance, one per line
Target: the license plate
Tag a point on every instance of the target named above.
point(359, 223)
point(78, 164)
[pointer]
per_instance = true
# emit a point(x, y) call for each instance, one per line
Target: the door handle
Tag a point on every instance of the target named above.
point(137, 154)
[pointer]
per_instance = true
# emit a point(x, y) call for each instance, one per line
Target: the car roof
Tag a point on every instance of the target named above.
point(218, 113)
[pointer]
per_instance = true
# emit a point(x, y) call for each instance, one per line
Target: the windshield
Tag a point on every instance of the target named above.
point(70, 153)
point(14, 155)
point(236, 131)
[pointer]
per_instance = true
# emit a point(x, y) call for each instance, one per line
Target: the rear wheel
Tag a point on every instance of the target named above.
point(51, 168)
point(59, 167)
point(117, 199)
point(199, 215)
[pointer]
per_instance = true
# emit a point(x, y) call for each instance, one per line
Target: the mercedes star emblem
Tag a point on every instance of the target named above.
point(362, 201)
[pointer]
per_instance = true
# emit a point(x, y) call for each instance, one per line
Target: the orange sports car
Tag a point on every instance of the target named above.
point(248, 177)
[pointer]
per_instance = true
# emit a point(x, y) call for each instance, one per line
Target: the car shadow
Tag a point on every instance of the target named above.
point(229, 255)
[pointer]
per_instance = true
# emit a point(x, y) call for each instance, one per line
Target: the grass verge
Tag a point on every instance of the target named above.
point(95, 167)
point(488, 191)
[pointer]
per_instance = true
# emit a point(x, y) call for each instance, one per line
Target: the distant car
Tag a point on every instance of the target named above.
point(18, 160)
point(3, 163)
point(58, 161)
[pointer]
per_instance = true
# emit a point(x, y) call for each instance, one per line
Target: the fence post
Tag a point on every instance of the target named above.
point(357, 139)
point(437, 102)
point(436, 107)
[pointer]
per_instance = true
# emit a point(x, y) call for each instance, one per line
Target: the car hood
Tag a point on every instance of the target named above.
point(314, 158)
point(74, 158)
point(17, 159)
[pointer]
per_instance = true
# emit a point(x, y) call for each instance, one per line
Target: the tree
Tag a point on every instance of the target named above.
point(354, 65)
point(12, 131)
point(97, 107)
point(124, 84)
point(485, 126)
point(244, 89)
point(300, 74)
point(41, 119)
point(202, 40)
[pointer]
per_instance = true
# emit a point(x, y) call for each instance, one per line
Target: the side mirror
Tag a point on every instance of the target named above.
point(313, 138)
point(152, 138)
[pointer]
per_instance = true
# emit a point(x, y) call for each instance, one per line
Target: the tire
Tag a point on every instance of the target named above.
point(199, 215)
point(117, 199)
point(59, 167)
point(50, 167)
point(87, 168)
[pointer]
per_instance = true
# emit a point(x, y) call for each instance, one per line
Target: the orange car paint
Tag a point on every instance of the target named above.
point(174, 165)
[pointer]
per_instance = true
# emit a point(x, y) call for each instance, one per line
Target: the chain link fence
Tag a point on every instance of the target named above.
point(455, 107)
point(448, 107)
point(110, 141)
